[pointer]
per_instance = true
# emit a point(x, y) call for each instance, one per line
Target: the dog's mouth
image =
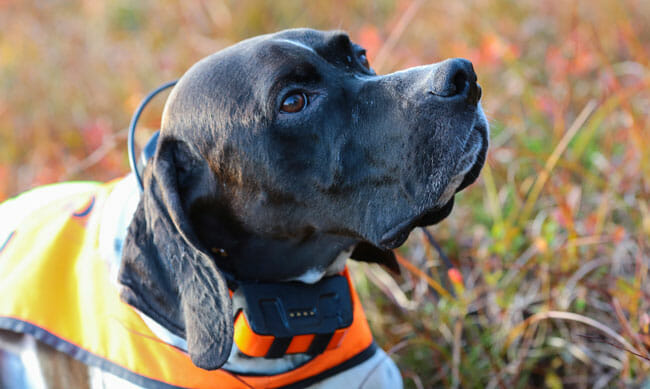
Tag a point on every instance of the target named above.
point(397, 235)
point(470, 164)
point(467, 171)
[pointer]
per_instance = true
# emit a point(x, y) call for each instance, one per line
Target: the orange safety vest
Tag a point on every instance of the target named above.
point(55, 285)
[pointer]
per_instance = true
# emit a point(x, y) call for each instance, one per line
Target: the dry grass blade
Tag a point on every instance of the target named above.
point(554, 157)
point(515, 332)
point(626, 328)
point(96, 156)
point(396, 33)
point(387, 284)
point(458, 333)
point(416, 271)
point(569, 287)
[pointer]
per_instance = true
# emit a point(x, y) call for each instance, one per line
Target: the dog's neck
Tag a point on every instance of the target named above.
point(116, 218)
point(250, 256)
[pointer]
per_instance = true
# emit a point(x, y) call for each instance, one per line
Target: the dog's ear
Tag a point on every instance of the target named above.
point(166, 272)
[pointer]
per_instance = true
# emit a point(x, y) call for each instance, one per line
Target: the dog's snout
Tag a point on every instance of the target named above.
point(455, 77)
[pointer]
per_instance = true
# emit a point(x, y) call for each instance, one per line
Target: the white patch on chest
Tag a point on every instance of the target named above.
point(312, 276)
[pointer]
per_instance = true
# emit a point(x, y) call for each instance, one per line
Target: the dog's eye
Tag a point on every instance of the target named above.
point(294, 103)
point(363, 59)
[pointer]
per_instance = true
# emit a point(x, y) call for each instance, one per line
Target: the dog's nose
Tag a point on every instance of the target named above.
point(454, 77)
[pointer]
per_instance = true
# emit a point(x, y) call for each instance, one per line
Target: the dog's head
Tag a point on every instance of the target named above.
point(278, 154)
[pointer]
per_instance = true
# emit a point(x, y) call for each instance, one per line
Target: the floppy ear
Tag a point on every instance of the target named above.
point(166, 273)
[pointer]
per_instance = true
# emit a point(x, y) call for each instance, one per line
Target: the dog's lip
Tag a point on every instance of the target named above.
point(473, 172)
point(397, 235)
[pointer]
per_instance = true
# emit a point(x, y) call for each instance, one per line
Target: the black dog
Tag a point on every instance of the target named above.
point(281, 156)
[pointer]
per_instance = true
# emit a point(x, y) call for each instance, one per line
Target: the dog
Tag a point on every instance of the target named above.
point(278, 158)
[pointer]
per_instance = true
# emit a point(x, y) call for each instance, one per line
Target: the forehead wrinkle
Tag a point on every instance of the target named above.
point(303, 72)
point(298, 44)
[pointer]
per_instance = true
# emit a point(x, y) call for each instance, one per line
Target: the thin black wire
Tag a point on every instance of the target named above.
point(134, 122)
point(445, 258)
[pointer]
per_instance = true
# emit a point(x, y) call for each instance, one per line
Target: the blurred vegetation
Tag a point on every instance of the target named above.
point(551, 242)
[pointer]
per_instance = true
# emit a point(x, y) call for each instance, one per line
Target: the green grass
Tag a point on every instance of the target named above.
point(552, 241)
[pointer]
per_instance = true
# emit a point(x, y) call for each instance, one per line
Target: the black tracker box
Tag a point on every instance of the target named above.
point(293, 308)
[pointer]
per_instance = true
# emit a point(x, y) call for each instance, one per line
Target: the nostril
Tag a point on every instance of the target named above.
point(474, 93)
point(459, 83)
point(455, 77)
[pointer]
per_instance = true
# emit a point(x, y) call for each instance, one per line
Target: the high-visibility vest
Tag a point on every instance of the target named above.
point(55, 286)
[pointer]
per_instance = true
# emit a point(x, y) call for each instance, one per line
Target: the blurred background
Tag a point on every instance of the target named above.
point(547, 279)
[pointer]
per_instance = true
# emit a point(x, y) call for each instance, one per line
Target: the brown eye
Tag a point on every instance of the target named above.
point(294, 103)
point(364, 60)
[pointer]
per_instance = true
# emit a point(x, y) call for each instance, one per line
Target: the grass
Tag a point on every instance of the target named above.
point(551, 242)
